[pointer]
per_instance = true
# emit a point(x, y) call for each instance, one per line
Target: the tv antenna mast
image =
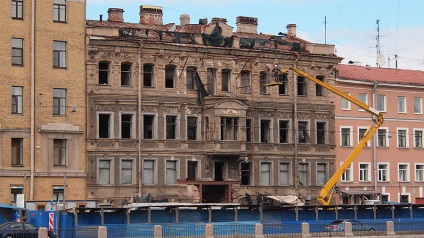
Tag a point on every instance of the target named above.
point(381, 60)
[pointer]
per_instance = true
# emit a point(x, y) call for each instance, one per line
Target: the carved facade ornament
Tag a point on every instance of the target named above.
point(266, 114)
point(127, 108)
point(171, 109)
point(303, 116)
point(106, 108)
point(116, 56)
point(321, 116)
point(193, 111)
point(284, 115)
point(149, 109)
point(229, 112)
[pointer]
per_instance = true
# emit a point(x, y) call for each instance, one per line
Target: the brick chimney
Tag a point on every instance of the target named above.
point(115, 15)
point(151, 15)
point(184, 19)
point(291, 30)
point(247, 24)
point(220, 20)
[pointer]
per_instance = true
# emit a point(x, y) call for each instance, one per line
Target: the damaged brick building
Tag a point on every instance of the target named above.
point(182, 111)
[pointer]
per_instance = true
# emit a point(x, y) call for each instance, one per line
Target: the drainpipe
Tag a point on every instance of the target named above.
point(31, 188)
point(295, 126)
point(139, 122)
point(374, 146)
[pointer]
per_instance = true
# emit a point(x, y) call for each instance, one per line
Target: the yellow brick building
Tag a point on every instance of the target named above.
point(43, 113)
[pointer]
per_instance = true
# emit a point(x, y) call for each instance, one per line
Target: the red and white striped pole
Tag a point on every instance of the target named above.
point(51, 221)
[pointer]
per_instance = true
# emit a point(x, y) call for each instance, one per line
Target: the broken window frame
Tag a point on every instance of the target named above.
point(171, 127)
point(171, 174)
point(192, 170)
point(104, 69)
point(266, 131)
point(102, 125)
point(263, 81)
point(319, 90)
point(192, 122)
point(226, 80)
point(284, 131)
point(303, 174)
point(229, 128)
point(148, 75)
point(303, 132)
point(170, 76)
point(207, 133)
point(127, 126)
point(149, 120)
point(191, 78)
point(248, 130)
point(211, 80)
point(246, 176)
point(302, 86)
point(245, 82)
point(283, 87)
point(321, 133)
point(126, 74)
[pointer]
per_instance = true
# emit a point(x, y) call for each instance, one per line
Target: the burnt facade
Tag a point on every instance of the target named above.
point(182, 112)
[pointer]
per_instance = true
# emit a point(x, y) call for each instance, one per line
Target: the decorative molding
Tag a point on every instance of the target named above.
point(127, 108)
point(149, 109)
point(105, 107)
point(171, 109)
point(303, 116)
point(266, 114)
point(284, 115)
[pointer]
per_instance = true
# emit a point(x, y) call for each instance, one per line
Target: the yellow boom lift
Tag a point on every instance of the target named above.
point(326, 192)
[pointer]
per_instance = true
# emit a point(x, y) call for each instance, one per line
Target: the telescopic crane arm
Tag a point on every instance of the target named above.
point(326, 192)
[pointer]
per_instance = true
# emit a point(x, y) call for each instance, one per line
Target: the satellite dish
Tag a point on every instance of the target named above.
point(381, 60)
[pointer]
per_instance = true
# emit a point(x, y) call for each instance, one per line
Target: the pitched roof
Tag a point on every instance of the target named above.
point(380, 75)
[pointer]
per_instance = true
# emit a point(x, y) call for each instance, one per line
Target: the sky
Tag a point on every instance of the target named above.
point(351, 24)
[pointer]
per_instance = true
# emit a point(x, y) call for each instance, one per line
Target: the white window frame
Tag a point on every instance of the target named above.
point(133, 172)
point(261, 182)
point(401, 100)
point(133, 124)
point(111, 124)
point(406, 136)
point(326, 166)
point(350, 136)
point(387, 172)
point(420, 106)
point(345, 104)
point(422, 135)
point(177, 171)
point(368, 172)
point(359, 138)
point(386, 137)
point(422, 172)
point(289, 171)
point(364, 101)
point(408, 175)
point(384, 109)
point(155, 175)
point(111, 170)
point(308, 173)
point(271, 132)
point(349, 171)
